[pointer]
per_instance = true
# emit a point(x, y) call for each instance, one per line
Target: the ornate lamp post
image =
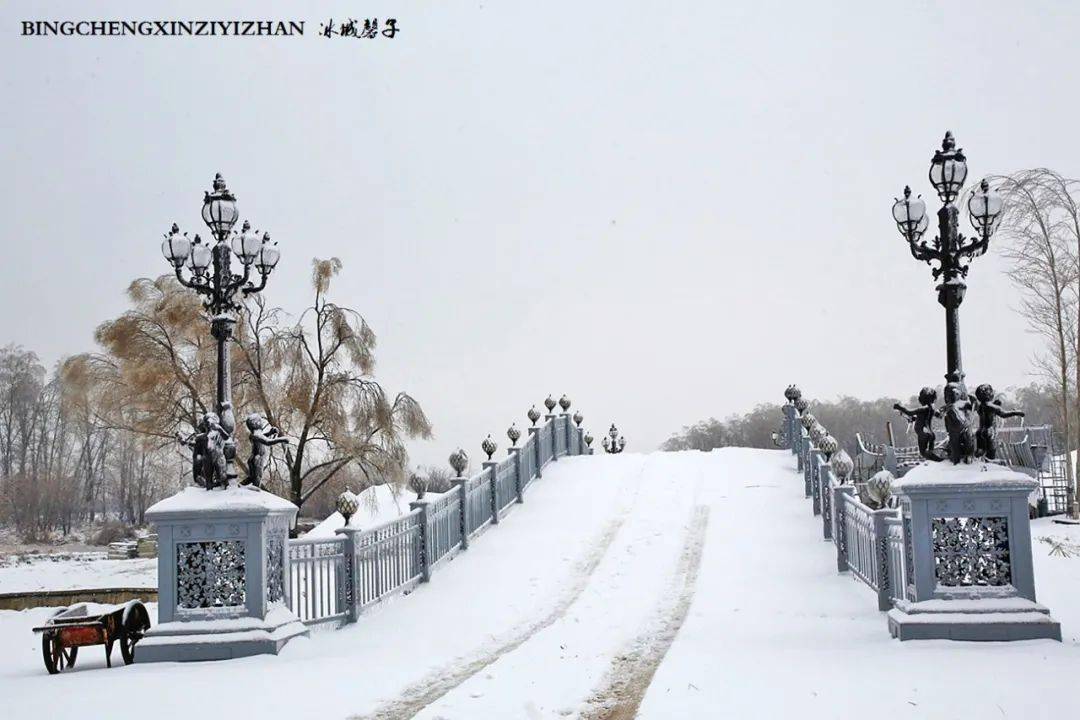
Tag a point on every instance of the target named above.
point(950, 249)
point(549, 403)
point(953, 254)
point(564, 403)
point(533, 415)
point(210, 274)
point(514, 434)
point(613, 442)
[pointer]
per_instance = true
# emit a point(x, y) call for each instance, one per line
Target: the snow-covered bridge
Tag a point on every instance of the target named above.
point(670, 584)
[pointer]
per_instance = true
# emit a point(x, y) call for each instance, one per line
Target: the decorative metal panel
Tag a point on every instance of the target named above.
point(275, 563)
point(210, 574)
point(971, 551)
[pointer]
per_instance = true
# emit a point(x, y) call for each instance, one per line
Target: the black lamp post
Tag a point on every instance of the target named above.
point(950, 249)
point(210, 275)
point(613, 442)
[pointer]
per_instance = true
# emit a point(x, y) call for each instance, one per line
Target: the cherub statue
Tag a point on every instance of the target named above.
point(988, 406)
point(197, 442)
point(923, 418)
point(263, 437)
point(958, 423)
point(207, 445)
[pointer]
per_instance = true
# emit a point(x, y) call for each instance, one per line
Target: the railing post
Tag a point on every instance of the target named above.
point(519, 482)
point(800, 456)
point(840, 500)
point(881, 558)
point(569, 425)
point(826, 502)
point(551, 422)
point(790, 413)
point(425, 539)
point(463, 505)
point(816, 463)
point(490, 467)
point(348, 583)
point(534, 432)
point(807, 470)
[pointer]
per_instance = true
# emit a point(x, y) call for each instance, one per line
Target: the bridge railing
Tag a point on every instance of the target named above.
point(332, 580)
point(873, 544)
point(869, 542)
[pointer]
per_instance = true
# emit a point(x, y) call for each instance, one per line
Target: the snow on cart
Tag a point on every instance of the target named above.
point(75, 626)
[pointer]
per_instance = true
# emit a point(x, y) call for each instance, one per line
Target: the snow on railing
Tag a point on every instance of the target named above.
point(333, 580)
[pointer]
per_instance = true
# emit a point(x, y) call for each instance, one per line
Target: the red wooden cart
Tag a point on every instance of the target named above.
point(75, 626)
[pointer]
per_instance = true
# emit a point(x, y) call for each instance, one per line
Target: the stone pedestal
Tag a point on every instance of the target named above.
point(222, 576)
point(968, 572)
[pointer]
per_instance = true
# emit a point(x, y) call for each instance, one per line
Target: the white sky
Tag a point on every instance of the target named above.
point(666, 213)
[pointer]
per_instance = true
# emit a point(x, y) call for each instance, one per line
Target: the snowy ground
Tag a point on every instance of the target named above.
point(74, 574)
point(694, 583)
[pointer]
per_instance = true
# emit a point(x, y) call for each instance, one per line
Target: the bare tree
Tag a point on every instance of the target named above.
point(313, 379)
point(1039, 227)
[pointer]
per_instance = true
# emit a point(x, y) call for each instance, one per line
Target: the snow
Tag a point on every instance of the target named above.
point(378, 504)
point(75, 574)
point(233, 499)
point(948, 476)
point(707, 569)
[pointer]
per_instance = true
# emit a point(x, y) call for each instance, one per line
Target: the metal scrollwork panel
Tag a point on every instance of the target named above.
point(210, 574)
point(971, 551)
point(275, 566)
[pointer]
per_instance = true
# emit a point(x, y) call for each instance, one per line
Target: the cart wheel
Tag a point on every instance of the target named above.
point(56, 657)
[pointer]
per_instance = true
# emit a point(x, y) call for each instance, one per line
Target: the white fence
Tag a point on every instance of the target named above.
point(332, 580)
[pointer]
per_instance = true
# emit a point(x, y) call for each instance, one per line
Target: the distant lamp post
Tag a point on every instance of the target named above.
point(564, 403)
point(792, 394)
point(950, 250)
point(588, 439)
point(514, 434)
point(578, 418)
point(210, 274)
point(533, 415)
point(549, 403)
point(489, 446)
point(613, 442)
point(459, 461)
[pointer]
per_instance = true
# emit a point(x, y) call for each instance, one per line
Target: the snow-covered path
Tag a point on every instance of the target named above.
point(706, 569)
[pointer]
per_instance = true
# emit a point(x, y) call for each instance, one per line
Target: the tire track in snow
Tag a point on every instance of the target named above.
point(632, 671)
point(414, 698)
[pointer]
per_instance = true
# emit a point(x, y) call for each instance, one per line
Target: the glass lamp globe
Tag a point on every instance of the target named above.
point(247, 244)
point(176, 248)
point(948, 169)
point(200, 258)
point(984, 208)
point(268, 255)
point(219, 208)
point(910, 216)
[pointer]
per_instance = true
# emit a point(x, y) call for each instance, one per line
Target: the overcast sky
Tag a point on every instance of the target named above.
point(668, 214)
